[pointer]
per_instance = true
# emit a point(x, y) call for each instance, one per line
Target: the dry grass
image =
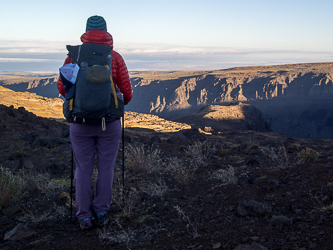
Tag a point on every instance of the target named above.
point(155, 189)
point(11, 187)
point(184, 169)
point(143, 159)
point(32, 212)
point(47, 185)
point(125, 199)
point(191, 228)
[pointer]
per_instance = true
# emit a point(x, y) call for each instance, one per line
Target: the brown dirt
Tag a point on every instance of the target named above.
point(294, 184)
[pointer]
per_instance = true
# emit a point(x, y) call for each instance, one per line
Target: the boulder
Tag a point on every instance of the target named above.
point(19, 232)
point(252, 207)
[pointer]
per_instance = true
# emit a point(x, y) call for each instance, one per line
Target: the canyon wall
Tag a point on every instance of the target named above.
point(295, 99)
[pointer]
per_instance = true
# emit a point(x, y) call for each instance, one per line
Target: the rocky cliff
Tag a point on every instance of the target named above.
point(295, 99)
point(43, 85)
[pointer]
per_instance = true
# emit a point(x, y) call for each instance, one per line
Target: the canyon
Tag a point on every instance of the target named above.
point(296, 99)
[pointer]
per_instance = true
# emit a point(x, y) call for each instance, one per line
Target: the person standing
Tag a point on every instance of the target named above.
point(88, 139)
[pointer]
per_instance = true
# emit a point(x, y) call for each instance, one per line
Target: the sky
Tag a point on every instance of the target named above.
point(170, 34)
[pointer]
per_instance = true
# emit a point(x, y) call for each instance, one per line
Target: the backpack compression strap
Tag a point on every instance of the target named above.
point(71, 101)
point(113, 88)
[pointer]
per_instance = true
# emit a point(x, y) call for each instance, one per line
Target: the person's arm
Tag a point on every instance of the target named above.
point(121, 77)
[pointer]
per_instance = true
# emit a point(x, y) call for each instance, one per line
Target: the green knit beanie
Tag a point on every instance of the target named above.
point(96, 23)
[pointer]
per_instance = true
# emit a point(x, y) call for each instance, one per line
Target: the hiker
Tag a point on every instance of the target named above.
point(88, 138)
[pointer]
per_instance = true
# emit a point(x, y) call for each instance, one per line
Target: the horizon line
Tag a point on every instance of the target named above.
point(5, 72)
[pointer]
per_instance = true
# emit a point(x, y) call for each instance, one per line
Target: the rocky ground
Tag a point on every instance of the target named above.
point(182, 190)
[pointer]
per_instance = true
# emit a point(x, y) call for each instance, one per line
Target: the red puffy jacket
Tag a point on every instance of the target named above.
point(119, 70)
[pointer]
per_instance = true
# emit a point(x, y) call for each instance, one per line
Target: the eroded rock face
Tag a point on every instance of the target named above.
point(295, 99)
point(244, 85)
point(41, 85)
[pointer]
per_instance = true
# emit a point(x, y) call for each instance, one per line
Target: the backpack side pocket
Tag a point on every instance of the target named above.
point(68, 110)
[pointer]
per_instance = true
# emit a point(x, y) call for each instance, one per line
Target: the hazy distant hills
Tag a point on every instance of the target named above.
point(295, 99)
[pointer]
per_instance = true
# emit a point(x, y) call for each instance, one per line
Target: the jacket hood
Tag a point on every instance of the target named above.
point(97, 36)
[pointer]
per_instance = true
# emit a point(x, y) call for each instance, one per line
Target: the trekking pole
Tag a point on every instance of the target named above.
point(123, 155)
point(72, 177)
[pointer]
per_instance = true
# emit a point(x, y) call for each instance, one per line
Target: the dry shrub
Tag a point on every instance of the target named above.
point(143, 159)
point(11, 187)
point(198, 154)
point(182, 172)
point(307, 154)
point(227, 176)
point(278, 155)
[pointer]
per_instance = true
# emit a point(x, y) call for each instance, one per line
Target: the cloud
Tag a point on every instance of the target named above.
point(49, 55)
point(173, 50)
point(32, 46)
point(23, 60)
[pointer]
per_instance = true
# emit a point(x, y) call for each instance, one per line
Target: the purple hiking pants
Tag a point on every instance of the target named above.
point(86, 140)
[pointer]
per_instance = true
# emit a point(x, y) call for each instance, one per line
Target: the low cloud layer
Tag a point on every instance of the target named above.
point(49, 56)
